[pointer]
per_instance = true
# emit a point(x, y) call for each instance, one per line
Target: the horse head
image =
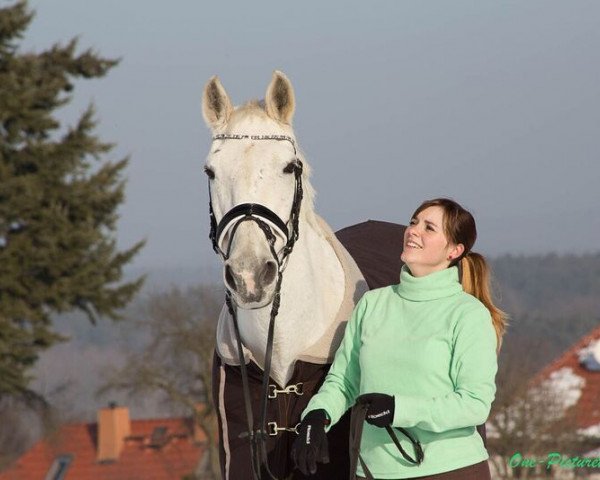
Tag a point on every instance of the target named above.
point(254, 172)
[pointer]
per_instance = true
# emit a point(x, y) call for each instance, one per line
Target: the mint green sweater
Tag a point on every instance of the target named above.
point(433, 347)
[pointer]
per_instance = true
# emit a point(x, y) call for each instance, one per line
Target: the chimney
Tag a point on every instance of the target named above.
point(113, 428)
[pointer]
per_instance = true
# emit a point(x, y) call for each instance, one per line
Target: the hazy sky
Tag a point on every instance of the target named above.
point(496, 104)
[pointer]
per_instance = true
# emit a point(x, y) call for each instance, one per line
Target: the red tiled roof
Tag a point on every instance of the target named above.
point(178, 457)
point(587, 409)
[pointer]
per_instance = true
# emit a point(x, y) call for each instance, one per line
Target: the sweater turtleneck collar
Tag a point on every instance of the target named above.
point(440, 284)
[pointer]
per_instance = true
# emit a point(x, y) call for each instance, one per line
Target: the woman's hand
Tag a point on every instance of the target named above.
point(380, 408)
point(311, 445)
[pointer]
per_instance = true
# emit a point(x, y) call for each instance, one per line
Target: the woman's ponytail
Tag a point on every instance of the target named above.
point(476, 281)
point(459, 227)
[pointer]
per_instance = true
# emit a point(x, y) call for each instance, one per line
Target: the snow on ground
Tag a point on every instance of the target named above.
point(593, 348)
point(566, 385)
point(592, 431)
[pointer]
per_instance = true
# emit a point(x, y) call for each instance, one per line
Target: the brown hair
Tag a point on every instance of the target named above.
point(459, 227)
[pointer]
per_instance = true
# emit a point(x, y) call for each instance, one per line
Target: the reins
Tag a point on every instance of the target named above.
point(357, 421)
point(259, 213)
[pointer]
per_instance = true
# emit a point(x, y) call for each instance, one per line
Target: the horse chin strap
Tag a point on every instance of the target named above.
point(262, 216)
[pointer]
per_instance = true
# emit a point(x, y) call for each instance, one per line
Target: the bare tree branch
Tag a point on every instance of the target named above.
point(177, 359)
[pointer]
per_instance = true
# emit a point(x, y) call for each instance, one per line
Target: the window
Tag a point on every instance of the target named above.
point(159, 437)
point(59, 468)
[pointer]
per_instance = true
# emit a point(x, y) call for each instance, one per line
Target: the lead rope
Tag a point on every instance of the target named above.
point(357, 420)
point(257, 438)
point(267, 376)
point(246, 390)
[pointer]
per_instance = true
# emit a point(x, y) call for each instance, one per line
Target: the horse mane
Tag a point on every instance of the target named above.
point(252, 108)
point(256, 108)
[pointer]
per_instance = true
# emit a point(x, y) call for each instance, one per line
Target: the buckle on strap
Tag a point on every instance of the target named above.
point(298, 389)
point(273, 429)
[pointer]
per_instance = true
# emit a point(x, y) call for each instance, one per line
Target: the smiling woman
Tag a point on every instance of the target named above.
point(426, 248)
point(419, 356)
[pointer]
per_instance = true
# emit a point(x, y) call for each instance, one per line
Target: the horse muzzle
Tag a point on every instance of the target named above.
point(252, 286)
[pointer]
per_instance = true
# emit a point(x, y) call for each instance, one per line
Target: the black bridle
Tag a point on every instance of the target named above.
point(257, 212)
point(265, 218)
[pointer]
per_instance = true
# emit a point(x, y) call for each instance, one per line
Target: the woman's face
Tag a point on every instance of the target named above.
point(426, 247)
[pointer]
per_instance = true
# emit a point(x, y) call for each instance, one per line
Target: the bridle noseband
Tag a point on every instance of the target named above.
point(266, 220)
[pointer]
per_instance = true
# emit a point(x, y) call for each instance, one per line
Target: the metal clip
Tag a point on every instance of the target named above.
point(273, 429)
point(297, 389)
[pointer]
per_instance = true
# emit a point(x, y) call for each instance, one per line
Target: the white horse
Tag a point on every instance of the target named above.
point(321, 283)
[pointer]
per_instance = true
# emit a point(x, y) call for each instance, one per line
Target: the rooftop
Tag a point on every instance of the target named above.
point(167, 448)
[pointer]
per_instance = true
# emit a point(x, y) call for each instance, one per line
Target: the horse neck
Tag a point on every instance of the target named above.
point(312, 291)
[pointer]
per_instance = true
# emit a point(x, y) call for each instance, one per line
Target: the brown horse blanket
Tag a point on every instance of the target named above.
point(375, 246)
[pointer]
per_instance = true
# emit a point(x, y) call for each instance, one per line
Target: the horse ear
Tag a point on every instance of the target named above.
point(216, 106)
point(279, 100)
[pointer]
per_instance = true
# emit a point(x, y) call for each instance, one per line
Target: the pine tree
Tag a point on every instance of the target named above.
point(58, 202)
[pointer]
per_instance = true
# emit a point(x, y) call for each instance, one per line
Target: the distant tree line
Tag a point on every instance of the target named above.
point(553, 300)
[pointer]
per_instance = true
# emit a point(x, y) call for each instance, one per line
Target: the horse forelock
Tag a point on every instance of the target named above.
point(251, 118)
point(253, 108)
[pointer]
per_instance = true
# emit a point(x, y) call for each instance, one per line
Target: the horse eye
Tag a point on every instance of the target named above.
point(290, 167)
point(210, 172)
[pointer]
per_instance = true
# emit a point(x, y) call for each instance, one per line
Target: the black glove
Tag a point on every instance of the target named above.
point(311, 445)
point(380, 408)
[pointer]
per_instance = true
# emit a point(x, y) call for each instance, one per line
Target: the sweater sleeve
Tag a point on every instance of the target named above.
point(472, 370)
point(342, 383)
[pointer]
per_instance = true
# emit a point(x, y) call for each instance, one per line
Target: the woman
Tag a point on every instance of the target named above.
point(421, 355)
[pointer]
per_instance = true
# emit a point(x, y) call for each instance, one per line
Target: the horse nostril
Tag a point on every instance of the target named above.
point(230, 278)
point(268, 273)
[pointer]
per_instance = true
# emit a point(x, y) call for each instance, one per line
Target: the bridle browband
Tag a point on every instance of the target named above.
point(265, 218)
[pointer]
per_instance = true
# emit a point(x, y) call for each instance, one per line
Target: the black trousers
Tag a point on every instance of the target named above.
point(479, 471)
